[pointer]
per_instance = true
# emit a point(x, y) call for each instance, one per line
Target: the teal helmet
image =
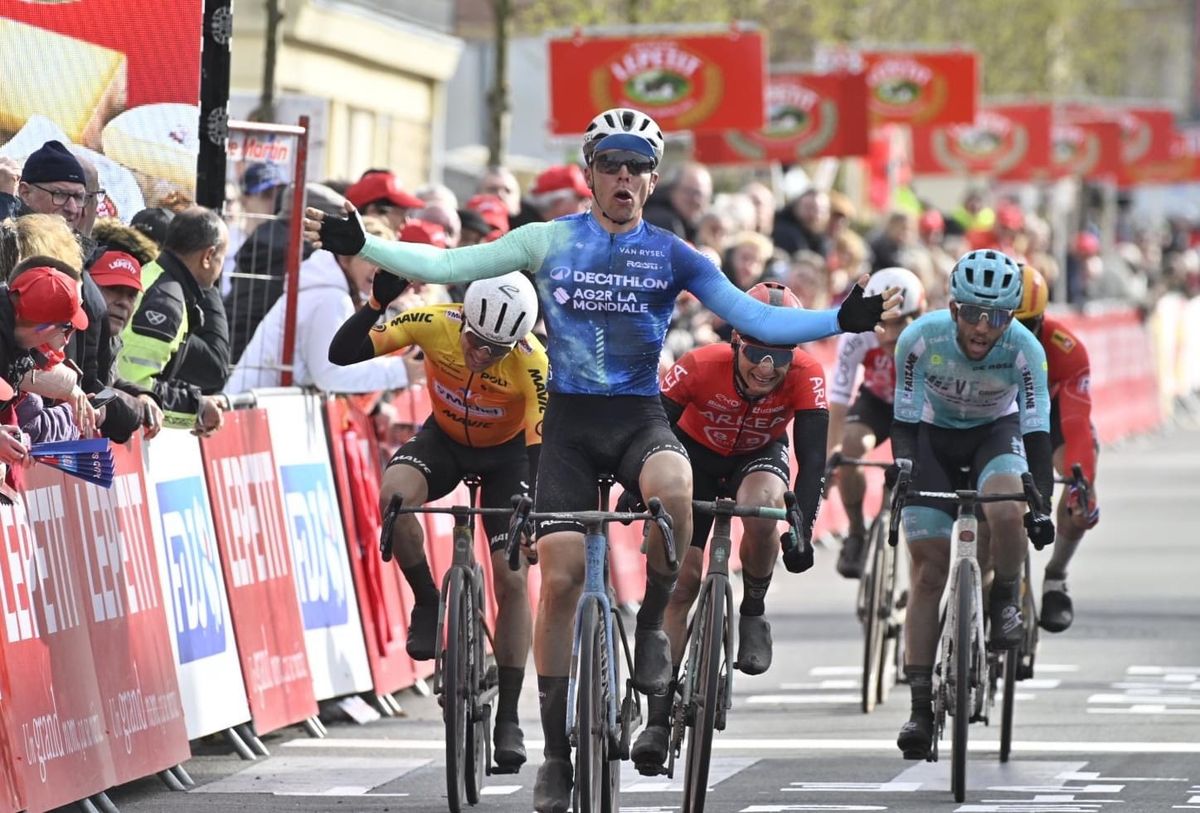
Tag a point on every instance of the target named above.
point(986, 277)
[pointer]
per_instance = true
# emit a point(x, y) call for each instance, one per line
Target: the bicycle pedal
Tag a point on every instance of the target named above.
point(500, 770)
point(650, 769)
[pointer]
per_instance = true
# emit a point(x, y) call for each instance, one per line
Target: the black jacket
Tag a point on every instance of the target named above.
point(791, 235)
point(659, 212)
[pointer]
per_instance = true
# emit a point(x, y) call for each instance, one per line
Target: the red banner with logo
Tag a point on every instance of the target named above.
point(1147, 136)
point(809, 115)
point(1006, 141)
point(93, 697)
point(700, 82)
point(384, 599)
point(1181, 166)
point(247, 506)
point(1088, 149)
point(922, 87)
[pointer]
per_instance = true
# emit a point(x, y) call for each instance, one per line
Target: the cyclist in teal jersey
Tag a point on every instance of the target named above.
point(607, 283)
point(971, 393)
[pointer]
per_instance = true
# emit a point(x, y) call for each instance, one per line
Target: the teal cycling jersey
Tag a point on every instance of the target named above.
point(937, 384)
point(607, 298)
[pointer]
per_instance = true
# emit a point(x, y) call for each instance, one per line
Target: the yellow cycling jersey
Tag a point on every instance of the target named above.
point(475, 409)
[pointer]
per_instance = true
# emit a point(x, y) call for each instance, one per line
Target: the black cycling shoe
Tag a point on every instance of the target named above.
point(651, 661)
point(1057, 610)
point(850, 559)
point(422, 632)
point(649, 752)
point(508, 745)
point(754, 644)
point(1008, 626)
point(916, 737)
point(552, 790)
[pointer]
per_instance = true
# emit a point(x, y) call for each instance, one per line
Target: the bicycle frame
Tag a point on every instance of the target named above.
point(964, 538)
point(595, 589)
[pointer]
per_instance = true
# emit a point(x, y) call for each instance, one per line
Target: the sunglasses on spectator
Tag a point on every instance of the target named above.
point(59, 198)
point(755, 353)
point(973, 314)
point(65, 327)
point(493, 349)
point(610, 162)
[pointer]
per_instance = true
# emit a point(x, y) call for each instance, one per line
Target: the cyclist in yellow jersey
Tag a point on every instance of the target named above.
point(487, 382)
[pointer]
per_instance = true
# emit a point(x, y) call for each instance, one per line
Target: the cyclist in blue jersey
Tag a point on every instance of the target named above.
point(971, 393)
point(607, 283)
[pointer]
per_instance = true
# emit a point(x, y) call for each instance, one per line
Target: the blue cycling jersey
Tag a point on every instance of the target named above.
point(607, 298)
point(937, 384)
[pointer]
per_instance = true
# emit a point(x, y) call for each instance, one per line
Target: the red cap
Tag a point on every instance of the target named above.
point(1087, 244)
point(48, 296)
point(491, 209)
point(564, 176)
point(422, 231)
point(1010, 217)
point(117, 268)
point(931, 220)
point(381, 186)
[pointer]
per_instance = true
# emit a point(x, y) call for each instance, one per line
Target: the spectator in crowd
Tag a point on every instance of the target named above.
point(378, 194)
point(51, 182)
point(713, 231)
point(808, 278)
point(763, 199)
point(493, 211)
point(804, 224)
point(850, 259)
point(1083, 265)
point(1039, 251)
point(842, 214)
point(474, 228)
point(445, 217)
point(746, 259)
point(974, 214)
point(153, 223)
point(332, 288)
point(95, 196)
point(162, 349)
point(500, 182)
point(678, 204)
point(37, 236)
point(263, 185)
point(559, 191)
point(438, 193)
point(896, 237)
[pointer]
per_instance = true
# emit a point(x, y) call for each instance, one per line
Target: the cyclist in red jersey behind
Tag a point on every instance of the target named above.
point(1072, 436)
point(730, 406)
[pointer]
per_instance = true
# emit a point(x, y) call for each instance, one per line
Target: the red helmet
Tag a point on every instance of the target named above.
point(775, 294)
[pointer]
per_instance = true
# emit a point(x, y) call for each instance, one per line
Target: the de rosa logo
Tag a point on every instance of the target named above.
point(994, 143)
point(661, 77)
point(903, 87)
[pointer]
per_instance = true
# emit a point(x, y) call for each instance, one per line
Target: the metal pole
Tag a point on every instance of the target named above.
point(295, 230)
point(214, 103)
point(498, 95)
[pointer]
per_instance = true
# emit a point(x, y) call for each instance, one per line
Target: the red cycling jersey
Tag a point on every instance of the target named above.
point(716, 415)
point(1069, 378)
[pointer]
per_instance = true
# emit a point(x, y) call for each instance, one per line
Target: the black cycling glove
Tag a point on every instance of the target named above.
point(858, 313)
point(1040, 528)
point(343, 235)
point(386, 287)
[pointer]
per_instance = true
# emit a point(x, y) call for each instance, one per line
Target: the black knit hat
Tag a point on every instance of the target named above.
point(52, 162)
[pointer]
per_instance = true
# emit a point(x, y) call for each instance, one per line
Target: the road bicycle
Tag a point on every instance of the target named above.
point(882, 596)
point(465, 683)
point(963, 675)
point(703, 693)
point(601, 717)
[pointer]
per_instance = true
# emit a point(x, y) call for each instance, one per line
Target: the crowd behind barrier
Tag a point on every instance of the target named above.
point(236, 578)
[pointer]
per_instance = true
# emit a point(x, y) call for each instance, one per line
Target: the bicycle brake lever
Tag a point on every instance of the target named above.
point(899, 497)
point(385, 526)
point(522, 506)
point(663, 520)
point(797, 552)
point(831, 466)
point(1032, 495)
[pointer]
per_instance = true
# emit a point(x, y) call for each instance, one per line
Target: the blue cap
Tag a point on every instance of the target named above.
point(625, 141)
point(261, 177)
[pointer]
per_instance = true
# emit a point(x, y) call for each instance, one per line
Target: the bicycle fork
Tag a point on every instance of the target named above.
point(594, 593)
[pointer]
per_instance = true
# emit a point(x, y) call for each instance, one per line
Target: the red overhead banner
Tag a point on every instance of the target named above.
point(922, 87)
point(1089, 149)
point(809, 115)
point(1182, 166)
point(1147, 135)
point(702, 83)
point(243, 486)
point(1010, 142)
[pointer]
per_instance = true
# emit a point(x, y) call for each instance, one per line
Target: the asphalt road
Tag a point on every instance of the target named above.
point(1110, 722)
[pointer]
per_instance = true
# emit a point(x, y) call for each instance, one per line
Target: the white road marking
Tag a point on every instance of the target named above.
point(852, 787)
point(1163, 670)
point(1167, 686)
point(719, 769)
point(314, 776)
point(1122, 699)
point(1056, 668)
point(499, 790)
point(821, 685)
point(834, 671)
point(1089, 775)
point(801, 699)
point(1016, 775)
point(787, 808)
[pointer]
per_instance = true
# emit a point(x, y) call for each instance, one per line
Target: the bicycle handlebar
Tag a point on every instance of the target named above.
point(792, 542)
point(1079, 483)
point(396, 507)
point(837, 459)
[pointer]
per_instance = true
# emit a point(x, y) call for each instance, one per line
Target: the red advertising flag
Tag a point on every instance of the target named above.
point(809, 115)
point(1147, 135)
point(259, 575)
point(1182, 166)
point(922, 87)
point(1007, 141)
point(697, 82)
point(1089, 149)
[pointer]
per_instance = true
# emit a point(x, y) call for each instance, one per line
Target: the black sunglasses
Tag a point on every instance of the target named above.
point(610, 163)
point(755, 353)
point(996, 317)
point(494, 349)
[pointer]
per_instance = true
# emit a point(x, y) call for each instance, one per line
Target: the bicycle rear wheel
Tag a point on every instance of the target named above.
point(455, 691)
point(705, 700)
point(962, 682)
point(873, 619)
point(591, 718)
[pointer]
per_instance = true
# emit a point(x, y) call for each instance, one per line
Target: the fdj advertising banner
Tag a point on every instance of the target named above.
point(337, 655)
point(1010, 142)
point(244, 486)
point(118, 79)
point(210, 674)
point(698, 82)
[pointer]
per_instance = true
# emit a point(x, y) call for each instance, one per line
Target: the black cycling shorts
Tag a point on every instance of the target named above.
point(1057, 438)
point(503, 471)
point(584, 436)
point(715, 475)
point(868, 408)
point(994, 448)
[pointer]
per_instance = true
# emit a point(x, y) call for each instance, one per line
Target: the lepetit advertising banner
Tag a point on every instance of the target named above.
point(922, 88)
point(1006, 141)
point(698, 82)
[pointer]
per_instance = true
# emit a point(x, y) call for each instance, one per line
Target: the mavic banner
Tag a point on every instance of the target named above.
point(243, 484)
point(1006, 141)
point(809, 115)
point(1087, 149)
point(921, 87)
point(697, 82)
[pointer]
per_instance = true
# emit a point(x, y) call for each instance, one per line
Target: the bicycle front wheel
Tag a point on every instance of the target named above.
point(591, 718)
point(874, 625)
point(455, 682)
point(1011, 660)
point(477, 725)
point(965, 592)
point(707, 695)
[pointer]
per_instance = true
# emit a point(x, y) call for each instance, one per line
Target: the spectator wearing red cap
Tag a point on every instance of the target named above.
point(559, 191)
point(378, 194)
point(423, 231)
point(492, 210)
